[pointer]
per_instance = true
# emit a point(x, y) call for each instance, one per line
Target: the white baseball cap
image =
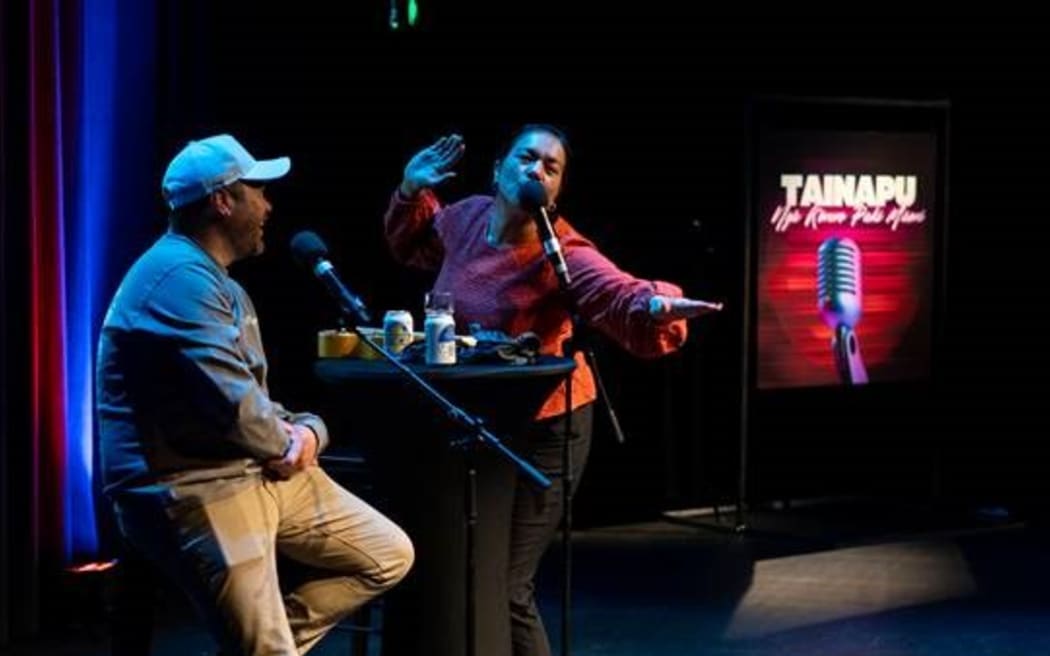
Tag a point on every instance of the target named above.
point(209, 164)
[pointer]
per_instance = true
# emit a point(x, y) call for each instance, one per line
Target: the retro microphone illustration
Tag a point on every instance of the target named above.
point(839, 302)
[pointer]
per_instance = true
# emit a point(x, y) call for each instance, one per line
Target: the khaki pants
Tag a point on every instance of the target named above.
point(223, 553)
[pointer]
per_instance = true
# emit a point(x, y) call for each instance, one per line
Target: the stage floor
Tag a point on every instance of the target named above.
point(850, 580)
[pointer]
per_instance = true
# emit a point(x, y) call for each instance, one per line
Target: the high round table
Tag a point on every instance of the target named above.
point(418, 479)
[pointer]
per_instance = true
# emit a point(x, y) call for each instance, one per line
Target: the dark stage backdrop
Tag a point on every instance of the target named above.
point(654, 105)
point(654, 98)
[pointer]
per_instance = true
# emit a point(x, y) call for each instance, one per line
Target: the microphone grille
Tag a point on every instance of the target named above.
point(838, 281)
point(307, 248)
point(532, 195)
point(838, 267)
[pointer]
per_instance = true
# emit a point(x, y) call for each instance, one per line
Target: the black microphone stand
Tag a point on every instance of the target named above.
point(475, 434)
point(576, 343)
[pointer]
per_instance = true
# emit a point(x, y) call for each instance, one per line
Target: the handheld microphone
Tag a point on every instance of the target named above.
point(839, 303)
point(533, 198)
point(309, 251)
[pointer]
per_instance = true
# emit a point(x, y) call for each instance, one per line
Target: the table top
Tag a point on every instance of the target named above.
point(338, 370)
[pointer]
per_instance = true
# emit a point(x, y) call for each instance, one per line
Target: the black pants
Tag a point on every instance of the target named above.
point(536, 516)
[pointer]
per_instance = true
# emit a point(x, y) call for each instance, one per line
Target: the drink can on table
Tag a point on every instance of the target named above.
point(439, 330)
point(397, 330)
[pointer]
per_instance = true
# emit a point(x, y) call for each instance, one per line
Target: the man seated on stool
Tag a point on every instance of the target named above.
point(209, 477)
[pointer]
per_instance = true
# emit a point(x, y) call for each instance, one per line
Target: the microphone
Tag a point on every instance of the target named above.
point(533, 198)
point(309, 251)
point(839, 303)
